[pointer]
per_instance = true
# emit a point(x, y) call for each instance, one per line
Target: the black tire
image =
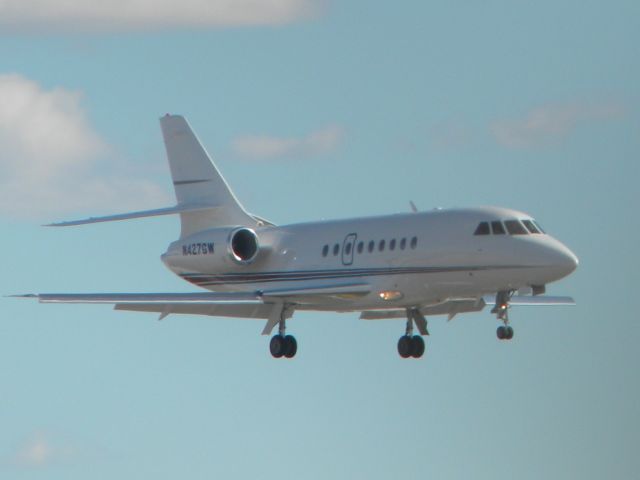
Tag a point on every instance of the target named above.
point(501, 332)
point(417, 346)
point(277, 346)
point(405, 346)
point(509, 333)
point(290, 346)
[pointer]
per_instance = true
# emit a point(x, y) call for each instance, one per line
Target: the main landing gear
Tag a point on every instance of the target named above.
point(281, 344)
point(410, 345)
point(501, 309)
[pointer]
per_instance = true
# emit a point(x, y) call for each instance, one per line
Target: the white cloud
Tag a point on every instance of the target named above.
point(117, 15)
point(264, 147)
point(50, 156)
point(39, 451)
point(550, 123)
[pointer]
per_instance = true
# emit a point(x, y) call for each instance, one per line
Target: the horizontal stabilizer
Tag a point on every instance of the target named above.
point(131, 215)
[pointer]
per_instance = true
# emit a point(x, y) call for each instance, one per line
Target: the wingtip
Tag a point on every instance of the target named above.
point(169, 116)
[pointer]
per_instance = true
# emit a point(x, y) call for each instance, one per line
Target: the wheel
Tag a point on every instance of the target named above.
point(290, 346)
point(277, 346)
point(501, 332)
point(509, 333)
point(405, 346)
point(417, 346)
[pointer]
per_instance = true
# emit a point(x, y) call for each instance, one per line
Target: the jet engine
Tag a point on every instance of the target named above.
point(243, 245)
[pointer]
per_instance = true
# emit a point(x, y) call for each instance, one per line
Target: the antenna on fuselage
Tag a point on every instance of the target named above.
point(414, 209)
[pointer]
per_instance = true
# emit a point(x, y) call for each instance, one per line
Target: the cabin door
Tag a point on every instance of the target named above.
point(348, 247)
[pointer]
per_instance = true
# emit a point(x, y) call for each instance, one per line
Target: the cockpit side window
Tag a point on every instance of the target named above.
point(497, 228)
point(530, 226)
point(538, 225)
point(482, 229)
point(514, 227)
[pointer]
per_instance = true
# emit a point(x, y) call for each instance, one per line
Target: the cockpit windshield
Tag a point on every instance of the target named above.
point(514, 227)
point(530, 226)
point(511, 226)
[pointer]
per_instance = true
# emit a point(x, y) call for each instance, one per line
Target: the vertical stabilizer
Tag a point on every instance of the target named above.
point(197, 181)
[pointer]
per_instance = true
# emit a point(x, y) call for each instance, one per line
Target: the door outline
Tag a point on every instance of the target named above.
point(350, 243)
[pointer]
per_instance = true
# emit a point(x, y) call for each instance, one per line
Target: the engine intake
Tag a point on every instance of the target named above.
point(243, 245)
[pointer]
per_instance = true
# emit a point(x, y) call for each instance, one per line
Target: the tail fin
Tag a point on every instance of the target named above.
point(204, 198)
point(197, 181)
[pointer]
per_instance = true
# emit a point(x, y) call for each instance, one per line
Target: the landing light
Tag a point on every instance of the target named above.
point(390, 295)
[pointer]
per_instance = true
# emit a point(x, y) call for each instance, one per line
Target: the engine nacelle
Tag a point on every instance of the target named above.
point(243, 245)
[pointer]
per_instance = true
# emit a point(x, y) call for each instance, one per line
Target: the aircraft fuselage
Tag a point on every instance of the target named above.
point(415, 258)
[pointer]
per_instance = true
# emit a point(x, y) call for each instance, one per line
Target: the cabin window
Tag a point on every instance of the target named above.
point(325, 250)
point(336, 249)
point(347, 248)
point(482, 229)
point(514, 227)
point(381, 245)
point(530, 226)
point(403, 244)
point(414, 242)
point(371, 246)
point(497, 228)
point(360, 247)
point(392, 244)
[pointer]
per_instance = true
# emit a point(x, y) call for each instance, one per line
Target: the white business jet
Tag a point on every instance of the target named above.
point(405, 266)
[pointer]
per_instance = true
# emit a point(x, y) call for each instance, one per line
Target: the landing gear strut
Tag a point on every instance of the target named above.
point(410, 345)
point(501, 309)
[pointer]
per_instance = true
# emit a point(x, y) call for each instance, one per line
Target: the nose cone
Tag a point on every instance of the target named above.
point(564, 261)
point(569, 261)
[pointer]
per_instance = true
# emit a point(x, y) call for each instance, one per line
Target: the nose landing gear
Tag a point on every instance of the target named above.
point(501, 309)
point(504, 332)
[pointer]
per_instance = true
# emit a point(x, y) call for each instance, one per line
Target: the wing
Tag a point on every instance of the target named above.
point(450, 308)
point(528, 300)
point(267, 304)
point(145, 298)
point(465, 305)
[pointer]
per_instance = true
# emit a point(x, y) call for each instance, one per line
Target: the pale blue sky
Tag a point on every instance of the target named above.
point(321, 110)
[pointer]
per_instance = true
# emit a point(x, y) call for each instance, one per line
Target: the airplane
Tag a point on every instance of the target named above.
point(407, 266)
